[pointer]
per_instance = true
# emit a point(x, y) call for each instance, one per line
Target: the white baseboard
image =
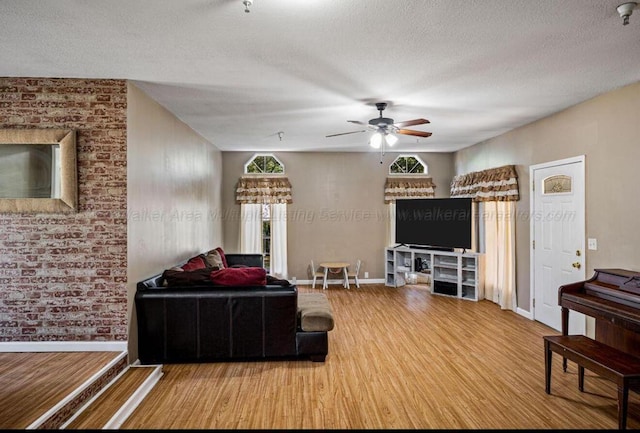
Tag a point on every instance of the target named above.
point(135, 399)
point(319, 281)
point(63, 346)
point(524, 313)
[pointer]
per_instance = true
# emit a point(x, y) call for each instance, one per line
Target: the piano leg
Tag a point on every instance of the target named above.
point(547, 367)
point(581, 378)
point(623, 397)
point(565, 331)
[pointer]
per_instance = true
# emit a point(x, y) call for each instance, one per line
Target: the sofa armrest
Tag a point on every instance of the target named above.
point(153, 282)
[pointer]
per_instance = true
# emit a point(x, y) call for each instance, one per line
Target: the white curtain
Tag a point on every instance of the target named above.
point(279, 240)
point(499, 234)
point(250, 228)
point(391, 224)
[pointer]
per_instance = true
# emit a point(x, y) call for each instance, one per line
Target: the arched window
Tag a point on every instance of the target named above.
point(263, 194)
point(264, 163)
point(408, 164)
point(408, 179)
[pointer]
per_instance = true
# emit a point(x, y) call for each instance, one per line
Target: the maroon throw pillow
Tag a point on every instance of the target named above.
point(250, 276)
point(224, 259)
point(194, 263)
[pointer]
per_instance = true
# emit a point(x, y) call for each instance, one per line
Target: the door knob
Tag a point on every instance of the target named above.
point(576, 265)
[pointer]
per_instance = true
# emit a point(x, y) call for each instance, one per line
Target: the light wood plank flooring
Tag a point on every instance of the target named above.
point(98, 414)
point(33, 383)
point(398, 358)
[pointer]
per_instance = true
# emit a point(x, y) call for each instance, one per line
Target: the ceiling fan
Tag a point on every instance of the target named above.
point(384, 128)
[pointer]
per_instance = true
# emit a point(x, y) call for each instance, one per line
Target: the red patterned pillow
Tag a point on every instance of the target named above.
point(250, 276)
point(194, 263)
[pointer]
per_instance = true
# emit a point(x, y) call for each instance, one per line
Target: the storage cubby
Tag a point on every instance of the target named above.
point(404, 266)
point(449, 273)
point(389, 272)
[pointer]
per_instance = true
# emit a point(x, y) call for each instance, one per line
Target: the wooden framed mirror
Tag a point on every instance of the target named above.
point(38, 171)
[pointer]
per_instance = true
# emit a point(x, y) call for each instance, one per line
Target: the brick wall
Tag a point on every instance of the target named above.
point(63, 276)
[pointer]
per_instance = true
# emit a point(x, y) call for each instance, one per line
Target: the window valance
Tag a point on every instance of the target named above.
point(408, 187)
point(259, 190)
point(495, 184)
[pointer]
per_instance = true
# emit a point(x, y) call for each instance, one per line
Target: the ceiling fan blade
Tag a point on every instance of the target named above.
point(357, 122)
point(345, 133)
point(411, 123)
point(412, 132)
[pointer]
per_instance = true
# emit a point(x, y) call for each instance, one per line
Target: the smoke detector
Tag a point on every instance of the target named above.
point(625, 10)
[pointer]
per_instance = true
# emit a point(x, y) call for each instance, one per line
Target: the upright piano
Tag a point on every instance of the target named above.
point(612, 297)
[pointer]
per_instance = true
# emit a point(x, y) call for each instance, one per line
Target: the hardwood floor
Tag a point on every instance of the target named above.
point(33, 383)
point(101, 411)
point(398, 358)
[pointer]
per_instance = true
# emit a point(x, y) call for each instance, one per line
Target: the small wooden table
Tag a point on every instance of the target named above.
point(335, 268)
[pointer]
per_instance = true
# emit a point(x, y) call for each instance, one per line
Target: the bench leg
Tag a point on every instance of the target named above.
point(623, 399)
point(547, 367)
point(581, 378)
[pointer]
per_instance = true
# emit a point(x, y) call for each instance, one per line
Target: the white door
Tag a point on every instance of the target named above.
point(558, 234)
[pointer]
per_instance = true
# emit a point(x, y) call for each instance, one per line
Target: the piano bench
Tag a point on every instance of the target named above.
point(606, 361)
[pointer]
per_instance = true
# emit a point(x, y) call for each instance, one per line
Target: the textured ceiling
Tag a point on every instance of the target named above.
point(474, 68)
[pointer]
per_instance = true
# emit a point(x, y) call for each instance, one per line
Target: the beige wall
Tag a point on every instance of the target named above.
point(174, 178)
point(606, 130)
point(178, 200)
point(338, 210)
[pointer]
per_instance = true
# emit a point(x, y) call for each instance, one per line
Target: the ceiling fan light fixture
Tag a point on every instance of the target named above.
point(391, 139)
point(246, 4)
point(376, 140)
point(385, 130)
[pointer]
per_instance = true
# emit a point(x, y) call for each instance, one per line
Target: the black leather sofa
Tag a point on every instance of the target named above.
point(218, 323)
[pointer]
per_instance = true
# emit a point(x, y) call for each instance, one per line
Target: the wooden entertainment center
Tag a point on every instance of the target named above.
point(450, 273)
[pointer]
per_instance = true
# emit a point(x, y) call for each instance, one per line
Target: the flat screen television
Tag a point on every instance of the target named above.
point(439, 223)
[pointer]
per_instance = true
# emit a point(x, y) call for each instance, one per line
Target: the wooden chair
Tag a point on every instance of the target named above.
point(353, 275)
point(315, 273)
